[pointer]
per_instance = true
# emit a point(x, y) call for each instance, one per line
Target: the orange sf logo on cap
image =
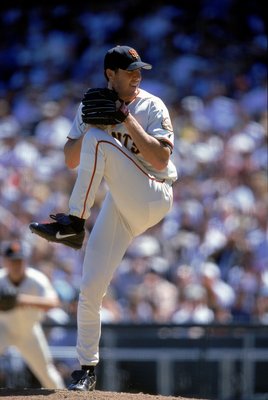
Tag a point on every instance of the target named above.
point(133, 54)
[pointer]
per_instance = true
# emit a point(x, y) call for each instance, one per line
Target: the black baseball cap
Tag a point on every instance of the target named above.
point(14, 250)
point(124, 57)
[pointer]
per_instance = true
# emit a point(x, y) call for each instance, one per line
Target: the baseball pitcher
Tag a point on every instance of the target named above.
point(122, 134)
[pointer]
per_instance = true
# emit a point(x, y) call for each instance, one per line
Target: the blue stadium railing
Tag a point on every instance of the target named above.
point(223, 362)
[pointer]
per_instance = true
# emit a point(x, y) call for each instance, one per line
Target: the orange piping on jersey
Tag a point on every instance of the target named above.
point(95, 166)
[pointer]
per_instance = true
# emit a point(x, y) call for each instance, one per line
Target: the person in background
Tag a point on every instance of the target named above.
point(21, 325)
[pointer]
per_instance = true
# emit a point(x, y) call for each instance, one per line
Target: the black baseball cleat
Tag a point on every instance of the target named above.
point(68, 230)
point(83, 381)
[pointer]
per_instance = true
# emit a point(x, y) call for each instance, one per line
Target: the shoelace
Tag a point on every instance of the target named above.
point(56, 217)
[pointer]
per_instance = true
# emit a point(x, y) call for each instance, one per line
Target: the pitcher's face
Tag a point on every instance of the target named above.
point(125, 83)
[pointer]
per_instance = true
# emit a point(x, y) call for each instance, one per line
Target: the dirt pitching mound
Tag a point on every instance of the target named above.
point(43, 394)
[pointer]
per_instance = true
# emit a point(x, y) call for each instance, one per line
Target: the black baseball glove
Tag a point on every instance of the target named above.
point(101, 106)
point(8, 299)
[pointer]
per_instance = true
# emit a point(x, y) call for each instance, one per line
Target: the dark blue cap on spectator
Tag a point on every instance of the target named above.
point(124, 57)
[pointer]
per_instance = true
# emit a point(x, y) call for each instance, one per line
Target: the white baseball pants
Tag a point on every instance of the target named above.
point(33, 346)
point(135, 202)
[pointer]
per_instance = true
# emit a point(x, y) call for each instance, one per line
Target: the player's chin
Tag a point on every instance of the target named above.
point(133, 92)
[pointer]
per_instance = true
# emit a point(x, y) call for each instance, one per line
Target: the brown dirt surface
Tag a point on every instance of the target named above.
point(44, 394)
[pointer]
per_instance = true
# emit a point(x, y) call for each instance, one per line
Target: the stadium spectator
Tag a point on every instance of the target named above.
point(212, 74)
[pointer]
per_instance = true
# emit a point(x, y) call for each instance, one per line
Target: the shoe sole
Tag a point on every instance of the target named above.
point(66, 242)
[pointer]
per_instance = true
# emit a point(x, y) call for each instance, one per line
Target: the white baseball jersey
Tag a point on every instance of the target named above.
point(153, 116)
point(35, 283)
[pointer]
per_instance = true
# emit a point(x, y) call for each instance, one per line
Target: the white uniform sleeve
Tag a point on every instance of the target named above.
point(38, 284)
point(78, 127)
point(160, 125)
point(46, 289)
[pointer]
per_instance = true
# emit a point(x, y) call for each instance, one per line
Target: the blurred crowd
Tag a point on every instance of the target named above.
point(207, 261)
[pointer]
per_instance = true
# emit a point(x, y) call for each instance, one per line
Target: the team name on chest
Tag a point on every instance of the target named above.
point(126, 141)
